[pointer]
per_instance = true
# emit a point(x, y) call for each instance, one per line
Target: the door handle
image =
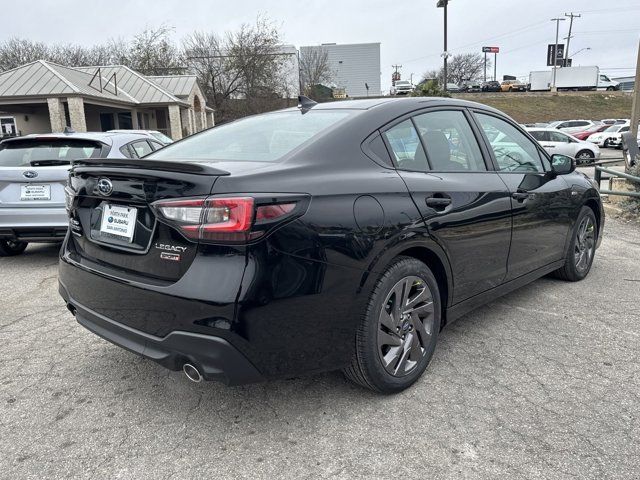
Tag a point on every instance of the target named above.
point(520, 196)
point(438, 202)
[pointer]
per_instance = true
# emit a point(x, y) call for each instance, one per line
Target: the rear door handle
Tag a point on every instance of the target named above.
point(520, 196)
point(438, 202)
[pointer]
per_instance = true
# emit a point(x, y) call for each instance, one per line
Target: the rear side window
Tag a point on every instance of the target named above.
point(262, 138)
point(540, 135)
point(141, 148)
point(406, 147)
point(26, 152)
point(450, 142)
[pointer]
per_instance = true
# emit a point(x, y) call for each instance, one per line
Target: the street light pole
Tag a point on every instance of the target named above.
point(443, 4)
point(555, 52)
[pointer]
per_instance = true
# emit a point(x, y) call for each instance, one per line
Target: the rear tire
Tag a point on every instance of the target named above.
point(582, 248)
point(397, 335)
point(9, 248)
point(585, 156)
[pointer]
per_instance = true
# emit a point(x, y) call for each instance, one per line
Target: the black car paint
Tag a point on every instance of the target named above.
point(290, 302)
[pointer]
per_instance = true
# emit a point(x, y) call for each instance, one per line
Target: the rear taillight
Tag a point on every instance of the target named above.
point(227, 219)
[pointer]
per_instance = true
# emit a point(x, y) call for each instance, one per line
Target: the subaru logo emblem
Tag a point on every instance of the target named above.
point(105, 187)
point(30, 174)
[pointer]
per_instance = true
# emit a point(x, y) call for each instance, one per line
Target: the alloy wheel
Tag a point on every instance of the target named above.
point(584, 244)
point(405, 326)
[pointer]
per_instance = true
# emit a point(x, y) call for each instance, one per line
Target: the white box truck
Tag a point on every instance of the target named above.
point(572, 78)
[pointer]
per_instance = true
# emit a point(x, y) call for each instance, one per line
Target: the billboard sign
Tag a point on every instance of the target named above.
point(491, 49)
point(552, 53)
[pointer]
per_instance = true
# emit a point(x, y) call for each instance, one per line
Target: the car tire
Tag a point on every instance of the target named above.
point(606, 144)
point(9, 248)
point(585, 156)
point(582, 248)
point(395, 340)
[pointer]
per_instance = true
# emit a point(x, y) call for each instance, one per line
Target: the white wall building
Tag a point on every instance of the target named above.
point(353, 66)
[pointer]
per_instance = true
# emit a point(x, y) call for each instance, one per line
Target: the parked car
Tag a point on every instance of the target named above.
point(473, 87)
point(614, 121)
point(319, 238)
point(615, 139)
point(560, 142)
point(33, 174)
point(454, 88)
point(401, 87)
point(491, 86)
point(570, 126)
point(584, 134)
point(153, 134)
point(513, 86)
point(535, 125)
point(603, 139)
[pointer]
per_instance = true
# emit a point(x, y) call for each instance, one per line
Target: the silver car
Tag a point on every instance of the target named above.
point(33, 176)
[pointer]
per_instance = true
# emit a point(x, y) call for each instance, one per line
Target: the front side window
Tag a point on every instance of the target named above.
point(558, 137)
point(406, 147)
point(261, 138)
point(449, 141)
point(514, 151)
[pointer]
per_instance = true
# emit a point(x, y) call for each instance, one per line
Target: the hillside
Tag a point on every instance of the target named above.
point(544, 107)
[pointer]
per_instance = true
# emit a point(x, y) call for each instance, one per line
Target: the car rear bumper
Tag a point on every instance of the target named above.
point(214, 357)
point(33, 224)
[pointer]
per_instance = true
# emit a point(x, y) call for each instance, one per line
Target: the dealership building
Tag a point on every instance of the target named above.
point(353, 67)
point(42, 97)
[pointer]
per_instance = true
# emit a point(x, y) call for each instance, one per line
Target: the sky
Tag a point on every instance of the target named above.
point(410, 31)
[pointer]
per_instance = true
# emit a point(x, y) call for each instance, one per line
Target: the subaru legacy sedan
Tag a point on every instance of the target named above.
point(330, 236)
point(33, 175)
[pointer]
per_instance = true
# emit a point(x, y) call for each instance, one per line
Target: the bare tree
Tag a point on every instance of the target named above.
point(315, 68)
point(466, 67)
point(244, 65)
point(153, 53)
point(18, 51)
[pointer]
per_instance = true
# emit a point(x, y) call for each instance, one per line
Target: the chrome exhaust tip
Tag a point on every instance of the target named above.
point(192, 373)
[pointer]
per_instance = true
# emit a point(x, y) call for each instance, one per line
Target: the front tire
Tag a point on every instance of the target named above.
point(9, 248)
point(397, 335)
point(582, 248)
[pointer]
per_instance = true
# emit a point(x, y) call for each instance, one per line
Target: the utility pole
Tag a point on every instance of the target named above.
point(635, 109)
point(443, 4)
point(396, 74)
point(566, 50)
point(555, 52)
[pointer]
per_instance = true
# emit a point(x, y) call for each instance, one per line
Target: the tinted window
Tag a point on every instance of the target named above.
point(540, 135)
point(513, 150)
point(406, 147)
point(449, 141)
point(624, 129)
point(261, 138)
point(126, 151)
point(25, 151)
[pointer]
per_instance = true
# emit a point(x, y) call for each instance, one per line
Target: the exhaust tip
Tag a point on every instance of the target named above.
point(192, 373)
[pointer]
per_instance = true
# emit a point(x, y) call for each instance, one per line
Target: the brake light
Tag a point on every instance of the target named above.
point(232, 219)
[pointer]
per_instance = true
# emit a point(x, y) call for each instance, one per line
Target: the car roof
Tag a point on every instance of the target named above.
point(124, 130)
point(545, 129)
point(394, 103)
point(103, 137)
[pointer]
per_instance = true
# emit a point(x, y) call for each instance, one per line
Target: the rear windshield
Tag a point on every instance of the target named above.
point(263, 138)
point(29, 152)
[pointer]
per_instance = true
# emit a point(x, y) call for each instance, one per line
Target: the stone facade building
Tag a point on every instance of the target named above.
point(43, 97)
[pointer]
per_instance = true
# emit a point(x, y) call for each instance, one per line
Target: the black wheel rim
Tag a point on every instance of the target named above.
point(584, 244)
point(405, 326)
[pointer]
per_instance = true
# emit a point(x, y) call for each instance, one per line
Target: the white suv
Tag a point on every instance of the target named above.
point(402, 87)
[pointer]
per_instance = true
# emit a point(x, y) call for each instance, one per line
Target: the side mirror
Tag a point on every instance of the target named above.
point(562, 164)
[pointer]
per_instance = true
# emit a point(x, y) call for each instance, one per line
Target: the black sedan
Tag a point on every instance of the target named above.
point(335, 236)
point(491, 86)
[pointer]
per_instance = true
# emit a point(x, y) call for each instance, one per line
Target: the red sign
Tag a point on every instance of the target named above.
point(491, 49)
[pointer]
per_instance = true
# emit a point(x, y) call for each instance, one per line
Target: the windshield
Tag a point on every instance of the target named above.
point(27, 152)
point(613, 128)
point(162, 137)
point(261, 138)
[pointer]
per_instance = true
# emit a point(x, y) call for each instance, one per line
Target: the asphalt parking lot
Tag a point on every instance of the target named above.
point(543, 383)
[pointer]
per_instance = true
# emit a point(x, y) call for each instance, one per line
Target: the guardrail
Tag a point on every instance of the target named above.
point(615, 173)
point(598, 173)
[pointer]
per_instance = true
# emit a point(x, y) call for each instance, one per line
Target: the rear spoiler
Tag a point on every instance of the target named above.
point(185, 166)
